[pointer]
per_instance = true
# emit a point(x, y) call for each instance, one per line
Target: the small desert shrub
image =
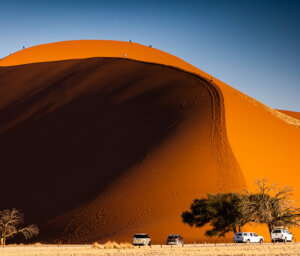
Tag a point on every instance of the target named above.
point(37, 244)
point(126, 246)
point(111, 245)
point(96, 245)
point(115, 245)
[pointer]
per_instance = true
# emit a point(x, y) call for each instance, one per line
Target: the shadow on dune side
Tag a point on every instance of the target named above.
point(70, 128)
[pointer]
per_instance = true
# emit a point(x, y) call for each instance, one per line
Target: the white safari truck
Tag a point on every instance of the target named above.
point(247, 237)
point(281, 235)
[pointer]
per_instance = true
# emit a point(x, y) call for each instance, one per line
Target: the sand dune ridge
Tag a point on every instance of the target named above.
point(118, 146)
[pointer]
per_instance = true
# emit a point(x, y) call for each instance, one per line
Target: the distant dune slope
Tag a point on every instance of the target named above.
point(118, 146)
point(291, 113)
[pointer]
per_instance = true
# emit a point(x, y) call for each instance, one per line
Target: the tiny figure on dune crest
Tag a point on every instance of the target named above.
point(211, 79)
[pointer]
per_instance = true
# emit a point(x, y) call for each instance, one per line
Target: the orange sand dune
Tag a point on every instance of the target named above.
point(291, 113)
point(105, 147)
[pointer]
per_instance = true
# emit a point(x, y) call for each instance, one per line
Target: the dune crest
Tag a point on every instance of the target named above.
point(81, 49)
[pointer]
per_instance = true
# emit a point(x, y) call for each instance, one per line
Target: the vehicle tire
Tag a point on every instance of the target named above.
point(248, 241)
point(261, 241)
point(273, 241)
point(149, 243)
point(284, 240)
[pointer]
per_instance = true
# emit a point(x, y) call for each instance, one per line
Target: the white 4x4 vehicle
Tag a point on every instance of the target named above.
point(247, 237)
point(281, 235)
point(141, 239)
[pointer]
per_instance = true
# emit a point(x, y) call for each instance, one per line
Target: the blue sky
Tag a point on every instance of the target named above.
point(253, 46)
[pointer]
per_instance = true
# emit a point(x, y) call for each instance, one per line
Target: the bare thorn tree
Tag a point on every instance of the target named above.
point(10, 220)
point(271, 205)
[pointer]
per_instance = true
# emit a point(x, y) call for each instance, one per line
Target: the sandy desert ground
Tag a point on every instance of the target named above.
point(101, 147)
point(191, 250)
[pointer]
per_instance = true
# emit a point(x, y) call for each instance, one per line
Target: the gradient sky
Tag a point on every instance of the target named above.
point(253, 46)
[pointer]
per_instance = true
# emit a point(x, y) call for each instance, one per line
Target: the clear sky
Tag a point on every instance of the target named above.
point(252, 45)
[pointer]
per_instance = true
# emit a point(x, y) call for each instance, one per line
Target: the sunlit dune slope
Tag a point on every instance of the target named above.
point(116, 146)
point(91, 48)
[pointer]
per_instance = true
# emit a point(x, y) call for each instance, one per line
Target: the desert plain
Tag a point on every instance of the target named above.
point(156, 250)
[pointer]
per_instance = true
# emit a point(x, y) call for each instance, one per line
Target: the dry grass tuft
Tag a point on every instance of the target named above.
point(126, 246)
point(111, 245)
point(115, 245)
point(96, 245)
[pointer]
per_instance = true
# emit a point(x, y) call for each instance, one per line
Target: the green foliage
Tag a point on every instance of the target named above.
point(221, 211)
point(199, 215)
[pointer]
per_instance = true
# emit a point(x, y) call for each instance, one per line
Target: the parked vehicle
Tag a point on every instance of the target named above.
point(281, 235)
point(141, 239)
point(174, 240)
point(247, 237)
